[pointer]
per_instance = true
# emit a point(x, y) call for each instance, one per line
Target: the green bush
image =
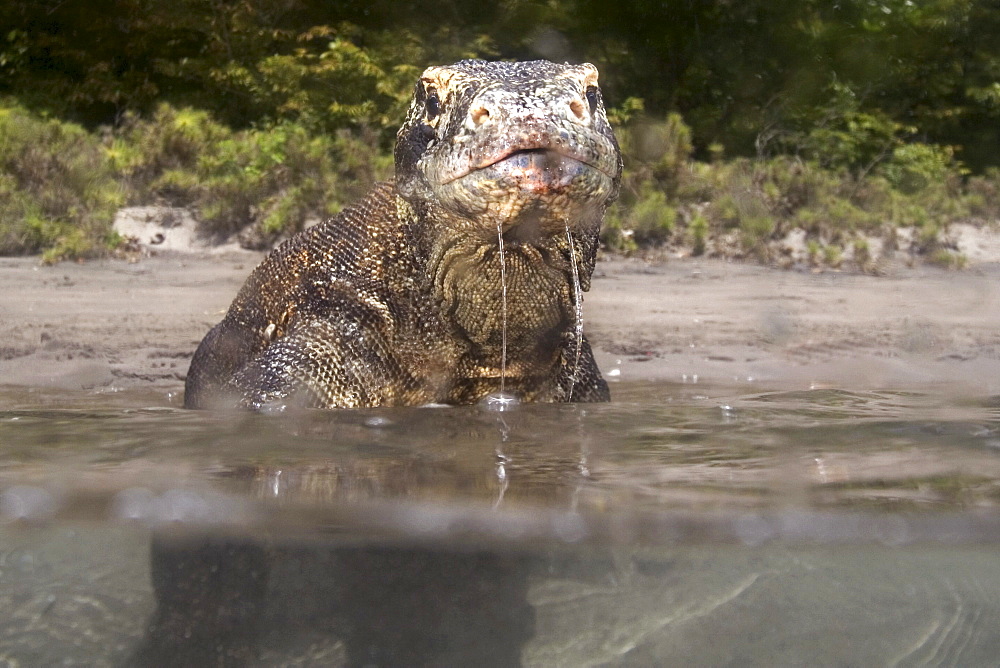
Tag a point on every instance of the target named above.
point(270, 179)
point(58, 193)
point(60, 185)
point(157, 156)
point(814, 252)
point(698, 233)
point(947, 259)
point(652, 219)
point(614, 235)
point(983, 196)
point(755, 232)
point(914, 167)
point(854, 175)
point(833, 256)
point(862, 254)
point(852, 140)
point(839, 134)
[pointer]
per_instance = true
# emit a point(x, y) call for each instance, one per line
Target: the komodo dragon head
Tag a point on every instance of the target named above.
point(524, 146)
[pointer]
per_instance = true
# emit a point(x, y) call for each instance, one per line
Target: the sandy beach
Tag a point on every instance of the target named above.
point(117, 325)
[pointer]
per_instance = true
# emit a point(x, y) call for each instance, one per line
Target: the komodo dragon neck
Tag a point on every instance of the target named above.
point(505, 313)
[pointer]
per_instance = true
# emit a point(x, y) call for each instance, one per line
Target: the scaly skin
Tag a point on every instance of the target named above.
point(398, 300)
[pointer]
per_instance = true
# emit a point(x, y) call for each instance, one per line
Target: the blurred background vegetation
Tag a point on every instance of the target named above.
point(860, 125)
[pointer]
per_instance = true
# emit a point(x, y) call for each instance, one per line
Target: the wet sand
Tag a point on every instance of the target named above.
point(111, 325)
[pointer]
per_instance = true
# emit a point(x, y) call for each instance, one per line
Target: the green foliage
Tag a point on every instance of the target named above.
point(848, 120)
point(755, 232)
point(60, 185)
point(984, 194)
point(839, 135)
point(272, 179)
point(698, 231)
point(614, 234)
point(250, 62)
point(947, 259)
point(326, 82)
point(157, 156)
point(814, 252)
point(57, 192)
point(862, 254)
point(838, 79)
point(625, 112)
point(652, 219)
point(915, 167)
point(832, 256)
point(655, 152)
point(746, 207)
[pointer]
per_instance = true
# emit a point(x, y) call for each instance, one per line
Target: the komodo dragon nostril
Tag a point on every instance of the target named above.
point(479, 115)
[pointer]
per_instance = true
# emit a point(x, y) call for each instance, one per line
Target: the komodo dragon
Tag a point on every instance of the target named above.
point(450, 283)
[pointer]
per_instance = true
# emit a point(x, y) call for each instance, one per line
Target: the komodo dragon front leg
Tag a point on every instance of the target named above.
point(326, 358)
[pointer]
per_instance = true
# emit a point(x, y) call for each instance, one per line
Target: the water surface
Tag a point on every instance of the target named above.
point(681, 523)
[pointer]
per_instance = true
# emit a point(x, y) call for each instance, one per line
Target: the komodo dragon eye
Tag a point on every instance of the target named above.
point(432, 104)
point(591, 94)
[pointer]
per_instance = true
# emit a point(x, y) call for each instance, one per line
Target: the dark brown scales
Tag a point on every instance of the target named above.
point(397, 300)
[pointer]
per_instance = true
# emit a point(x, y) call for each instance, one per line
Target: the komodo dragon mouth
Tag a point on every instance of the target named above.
point(546, 165)
point(537, 171)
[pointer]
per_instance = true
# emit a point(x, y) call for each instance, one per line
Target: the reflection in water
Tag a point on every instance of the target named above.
point(680, 524)
point(209, 602)
point(357, 605)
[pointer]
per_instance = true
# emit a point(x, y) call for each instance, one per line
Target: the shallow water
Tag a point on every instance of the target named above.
point(681, 523)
